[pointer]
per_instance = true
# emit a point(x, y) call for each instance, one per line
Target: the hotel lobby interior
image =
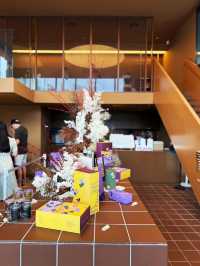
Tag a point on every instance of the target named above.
point(107, 94)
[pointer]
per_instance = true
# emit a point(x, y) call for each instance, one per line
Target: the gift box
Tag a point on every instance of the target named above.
point(64, 216)
point(110, 180)
point(121, 173)
point(120, 196)
point(86, 188)
point(103, 148)
point(101, 178)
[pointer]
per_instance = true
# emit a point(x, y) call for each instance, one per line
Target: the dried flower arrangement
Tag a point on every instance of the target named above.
point(80, 135)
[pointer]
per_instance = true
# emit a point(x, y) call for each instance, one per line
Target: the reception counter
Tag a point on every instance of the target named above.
point(132, 240)
point(151, 167)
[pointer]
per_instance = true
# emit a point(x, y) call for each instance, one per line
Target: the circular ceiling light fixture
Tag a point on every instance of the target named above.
point(97, 55)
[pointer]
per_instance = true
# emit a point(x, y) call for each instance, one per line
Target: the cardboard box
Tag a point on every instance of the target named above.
point(158, 145)
point(67, 216)
point(121, 173)
point(86, 188)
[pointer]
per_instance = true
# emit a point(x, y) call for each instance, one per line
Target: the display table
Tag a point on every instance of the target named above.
point(165, 162)
point(133, 239)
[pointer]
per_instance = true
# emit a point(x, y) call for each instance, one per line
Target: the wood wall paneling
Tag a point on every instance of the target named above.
point(192, 80)
point(151, 167)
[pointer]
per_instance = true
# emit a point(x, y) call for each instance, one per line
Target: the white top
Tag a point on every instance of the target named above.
point(13, 147)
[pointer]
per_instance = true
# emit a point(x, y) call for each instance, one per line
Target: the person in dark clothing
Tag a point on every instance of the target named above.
point(21, 137)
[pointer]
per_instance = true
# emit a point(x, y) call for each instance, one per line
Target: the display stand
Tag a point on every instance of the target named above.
point(186, 183)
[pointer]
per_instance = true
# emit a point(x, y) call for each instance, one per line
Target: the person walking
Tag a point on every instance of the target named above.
point(21, 137)
point(8, 148)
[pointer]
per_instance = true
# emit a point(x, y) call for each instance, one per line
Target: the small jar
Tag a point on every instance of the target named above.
point(15, 211)
point(19, 193)
point(28, 194)
point(8, 204)
point(26, 210)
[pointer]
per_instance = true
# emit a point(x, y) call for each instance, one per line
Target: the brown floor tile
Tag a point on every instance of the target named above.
point(162, 215)
point(175, 216)
point(75, 255)
point(10, 254)
point(187, 216)
point(186, 229)
point(185, 245)
point(196, 228)
point(108, 218)
point(196, 244)
point(112, 255)
point(138, 218)
point(193, 222)
point(167, 236)
point(175, 255)
point(192, 236)
point(110, 206)
point(149, 256)
point(180, 263)
point(145, 234)
point(40, 255)
point(179, 222)
point(139, 207)
point(178, 236)
point(172, 245)
point(172, 228)
point(86, 236)
point(13, 232)
point(167, 221)
point(42, 234)
point(193, 256)
point(116, 234)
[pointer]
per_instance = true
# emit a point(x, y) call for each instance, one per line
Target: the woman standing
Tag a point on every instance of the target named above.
point(8, 148)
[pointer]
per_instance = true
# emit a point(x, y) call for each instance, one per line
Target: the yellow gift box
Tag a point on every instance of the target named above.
point(122, 173)
point(67, 216)
point(86, 188)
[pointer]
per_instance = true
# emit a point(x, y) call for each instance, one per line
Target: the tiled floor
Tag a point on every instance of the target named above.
point(133, 237)
point(177, 214)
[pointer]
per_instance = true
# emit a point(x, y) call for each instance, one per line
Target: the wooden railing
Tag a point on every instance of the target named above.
point(181, 122)
point(191, 80)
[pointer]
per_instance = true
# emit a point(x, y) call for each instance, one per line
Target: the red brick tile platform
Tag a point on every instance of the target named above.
point(132, 240)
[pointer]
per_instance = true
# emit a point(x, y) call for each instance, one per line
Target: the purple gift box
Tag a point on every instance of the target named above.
point(120, 196)
point(100, 166)
point(101, 177)
point(103, 147)
point(108, 161)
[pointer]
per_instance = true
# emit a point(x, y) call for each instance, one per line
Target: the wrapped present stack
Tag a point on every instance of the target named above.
point(111, 173)
point(105, 162)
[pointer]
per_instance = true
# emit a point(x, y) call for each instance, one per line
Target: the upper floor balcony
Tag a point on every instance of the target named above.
point(65, 54)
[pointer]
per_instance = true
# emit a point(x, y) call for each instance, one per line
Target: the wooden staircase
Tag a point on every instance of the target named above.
point(180, 113)
point(194, 103)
